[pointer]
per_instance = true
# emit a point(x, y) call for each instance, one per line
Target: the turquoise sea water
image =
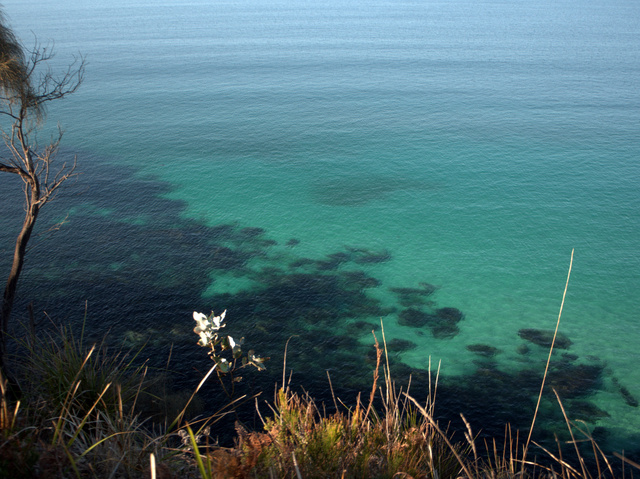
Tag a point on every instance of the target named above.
point(466, 145)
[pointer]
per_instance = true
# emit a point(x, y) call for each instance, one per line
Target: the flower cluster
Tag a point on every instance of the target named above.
point(208, 329)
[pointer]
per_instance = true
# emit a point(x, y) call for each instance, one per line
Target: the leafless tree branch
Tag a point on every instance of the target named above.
point(27, 85)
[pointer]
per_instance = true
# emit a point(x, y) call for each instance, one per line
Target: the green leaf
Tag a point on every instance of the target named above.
point(223, 365)
point(237, 352)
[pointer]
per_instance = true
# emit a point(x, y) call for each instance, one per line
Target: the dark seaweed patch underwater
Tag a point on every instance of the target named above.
point(142, 269)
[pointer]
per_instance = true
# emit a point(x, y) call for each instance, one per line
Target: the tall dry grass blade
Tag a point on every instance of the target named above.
point(84, 321)
point(387, 376)
point(470, 439)
point(7, 417)
point(433, 423)
point(376, 375)
point(180, 416)
point(333, 395)
point(284, 363)
point(295, 465)
point(433, 391)
point(390, 399)
point(86, 417)
point(137, 395)
point(15, 415)
point(628, 461)
point(258, 412)
point(595, 455)
point(558, 459)
point(120, 407)
point(70, 394)
point(595, 446)
point(561, 461)
point(166, 368)
point(546, 369)
point(573, 439)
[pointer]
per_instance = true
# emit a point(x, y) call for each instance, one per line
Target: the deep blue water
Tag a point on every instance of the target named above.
point(467, 145)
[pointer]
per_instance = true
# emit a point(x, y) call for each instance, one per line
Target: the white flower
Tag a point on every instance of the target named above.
point(205, 337)
point(207, 326)
point(202, 328)
point(217, 321)
point(202, 323)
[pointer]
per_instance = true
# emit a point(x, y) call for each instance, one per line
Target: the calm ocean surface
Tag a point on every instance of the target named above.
point(465, 146)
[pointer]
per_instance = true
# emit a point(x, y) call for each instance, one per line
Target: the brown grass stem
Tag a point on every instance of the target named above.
point(546, 369)
point(573, 439)
point(433, 423)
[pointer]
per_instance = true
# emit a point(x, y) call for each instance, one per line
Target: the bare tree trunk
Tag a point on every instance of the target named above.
point(16, 268)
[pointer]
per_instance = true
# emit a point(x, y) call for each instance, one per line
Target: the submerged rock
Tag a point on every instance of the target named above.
point(367, 256)
point(300, 262)
point(624, 392)
point(586, 411)
point(409, 297)
point(428, 288)
point(483, 350)
point(409, 291)
point(442, 326)
point(450, 314)
point(575, 381)
point(444, 330)
point(358, 328)
point(360, 280)
point(228, 259)
point(570, 357)
point(397, 345)
point(414, 318)
point(251, 232)
point(222, 232)
point(333, 261)
point(543, 337)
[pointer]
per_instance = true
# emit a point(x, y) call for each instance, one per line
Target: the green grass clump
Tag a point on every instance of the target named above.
point(353, 442)
point(60, 362)
point(75, 417)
